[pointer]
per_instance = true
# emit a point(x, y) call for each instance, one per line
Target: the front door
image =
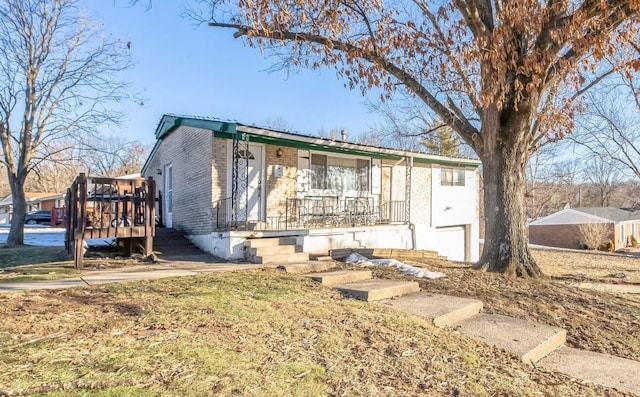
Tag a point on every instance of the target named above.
point(250, 189)
point(168, 195)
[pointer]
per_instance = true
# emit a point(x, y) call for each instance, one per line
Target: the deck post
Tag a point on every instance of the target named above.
point(150, 216)
point(81, 220)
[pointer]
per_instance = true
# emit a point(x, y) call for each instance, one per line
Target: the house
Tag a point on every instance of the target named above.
point(222, 183)
point(35, 201)
point(560, 229)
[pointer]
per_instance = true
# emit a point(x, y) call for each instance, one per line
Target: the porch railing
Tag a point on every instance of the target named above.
point(327, 212)
point(316, 212)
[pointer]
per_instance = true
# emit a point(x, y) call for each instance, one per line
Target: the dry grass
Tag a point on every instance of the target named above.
point(260, 333)
point(597, 321)
point(595, 265)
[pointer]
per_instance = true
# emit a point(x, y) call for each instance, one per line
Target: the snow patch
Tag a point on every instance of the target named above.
point(403, 267)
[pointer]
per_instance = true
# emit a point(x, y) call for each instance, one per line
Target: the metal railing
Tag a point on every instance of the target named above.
point(327, 212)
point(316, 212)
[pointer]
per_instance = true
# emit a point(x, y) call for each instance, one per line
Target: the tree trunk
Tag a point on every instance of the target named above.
point(506, 244)
point(16, 232)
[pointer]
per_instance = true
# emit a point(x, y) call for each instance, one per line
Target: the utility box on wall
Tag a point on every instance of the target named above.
point(278, 171)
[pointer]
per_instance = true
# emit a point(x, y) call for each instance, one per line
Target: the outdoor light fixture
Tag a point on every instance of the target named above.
point(279, 152)
point(158, 171)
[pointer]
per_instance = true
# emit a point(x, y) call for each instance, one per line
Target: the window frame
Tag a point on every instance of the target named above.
point(452, 181)
point(357, 160)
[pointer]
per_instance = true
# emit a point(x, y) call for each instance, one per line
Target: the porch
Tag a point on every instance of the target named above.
point(314, 212)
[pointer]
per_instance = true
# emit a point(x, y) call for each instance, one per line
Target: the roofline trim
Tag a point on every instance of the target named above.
point(225, 129)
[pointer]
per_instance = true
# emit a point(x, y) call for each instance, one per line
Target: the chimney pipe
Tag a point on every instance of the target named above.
point(344, 135)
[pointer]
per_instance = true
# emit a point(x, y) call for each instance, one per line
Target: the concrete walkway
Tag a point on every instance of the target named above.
point(149, 272)
point(176, 257)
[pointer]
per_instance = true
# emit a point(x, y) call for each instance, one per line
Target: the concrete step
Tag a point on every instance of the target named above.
point(528, 340)
point(598, 368)
point(340, 253)
point(340, 277)
point(323, 258)
point(281, 258)
point(375, 290)
point(269, 242)
point(308, 267)
point(443, 310)
point(272, 250)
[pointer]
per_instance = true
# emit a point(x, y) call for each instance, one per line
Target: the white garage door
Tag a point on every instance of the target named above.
point(451, 242)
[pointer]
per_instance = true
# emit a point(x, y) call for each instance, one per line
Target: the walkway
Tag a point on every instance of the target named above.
point(176, 257)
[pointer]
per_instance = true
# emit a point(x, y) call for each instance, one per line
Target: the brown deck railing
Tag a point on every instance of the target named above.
point(109, 208)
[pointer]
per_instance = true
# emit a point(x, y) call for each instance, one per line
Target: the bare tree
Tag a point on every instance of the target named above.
point(278, 123)
point(58, 75)
point(503, 75)
point(551, 183)
point(604, 179)
point(55, 172)
point(610, 128)
point(408, 124)
point(114, 156)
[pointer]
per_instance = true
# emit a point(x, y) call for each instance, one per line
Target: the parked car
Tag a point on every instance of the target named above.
point(36, 217)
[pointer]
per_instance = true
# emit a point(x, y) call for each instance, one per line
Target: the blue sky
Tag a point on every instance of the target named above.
point(202, 71)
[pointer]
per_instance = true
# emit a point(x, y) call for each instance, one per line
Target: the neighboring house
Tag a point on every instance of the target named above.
point(35, 201)
point(220, 183)
point(560, 229)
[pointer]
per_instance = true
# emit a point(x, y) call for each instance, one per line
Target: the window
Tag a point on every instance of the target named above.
point(452, 177)
point(339, 173)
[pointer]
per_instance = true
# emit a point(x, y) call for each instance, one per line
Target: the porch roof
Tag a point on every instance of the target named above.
point(227, 129)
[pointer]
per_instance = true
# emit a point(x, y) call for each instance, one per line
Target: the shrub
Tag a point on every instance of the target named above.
point(634, 242)
point(595, 235)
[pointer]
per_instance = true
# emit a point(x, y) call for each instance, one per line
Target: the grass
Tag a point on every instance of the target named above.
point(261, 333)
point(27, 263)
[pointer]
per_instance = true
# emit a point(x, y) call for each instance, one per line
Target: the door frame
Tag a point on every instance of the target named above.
point(262, 215)
point(168, 196)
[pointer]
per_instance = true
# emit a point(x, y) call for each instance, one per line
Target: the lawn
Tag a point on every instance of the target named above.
point(30, 263)
point(266, 333)
point(26, 263)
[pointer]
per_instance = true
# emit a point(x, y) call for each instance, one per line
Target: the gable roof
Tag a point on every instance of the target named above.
point(227, 129)
point(33, 197)
point(572, 216)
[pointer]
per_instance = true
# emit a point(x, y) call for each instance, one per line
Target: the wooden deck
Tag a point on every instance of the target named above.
point(109, 208)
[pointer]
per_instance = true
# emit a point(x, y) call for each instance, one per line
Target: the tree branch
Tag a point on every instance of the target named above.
point(461, 126)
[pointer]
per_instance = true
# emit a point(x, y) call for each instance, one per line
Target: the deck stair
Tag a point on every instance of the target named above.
point(274, 250)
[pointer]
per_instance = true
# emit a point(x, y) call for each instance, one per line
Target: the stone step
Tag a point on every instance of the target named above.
point(340, 277)
point(443, 310)
point(307, 267)
point(528, 340)
point(598, 368)
point(269, 242)
point(374, 290)
point(281, 258)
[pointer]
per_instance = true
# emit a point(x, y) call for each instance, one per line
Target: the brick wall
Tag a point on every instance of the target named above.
point(561, 236)
point(278, 189)
point(189, 151)
point(421, 194)
point(220, 172)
